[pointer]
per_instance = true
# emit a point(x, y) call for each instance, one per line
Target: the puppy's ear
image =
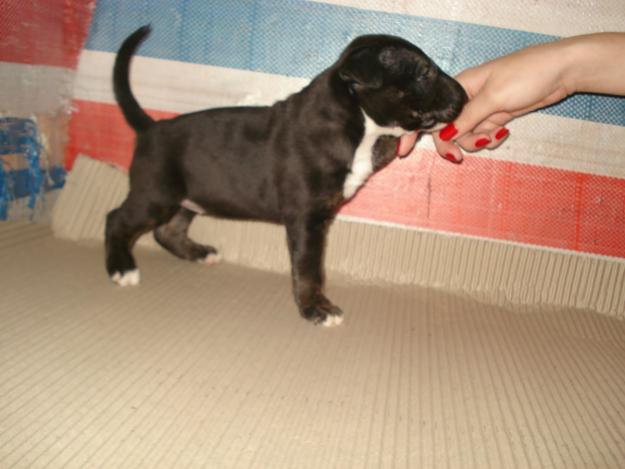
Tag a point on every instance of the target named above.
point(362, 68)
point(397, 59)
point(391, 57)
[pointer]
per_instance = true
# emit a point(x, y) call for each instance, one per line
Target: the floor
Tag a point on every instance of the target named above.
point(212, 367)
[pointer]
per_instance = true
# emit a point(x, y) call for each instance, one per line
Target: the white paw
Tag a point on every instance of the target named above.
point(127, 279)
point(332, 320)
point(212, 258)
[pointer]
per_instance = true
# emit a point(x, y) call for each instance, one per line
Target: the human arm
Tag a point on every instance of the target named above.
point(530, 79)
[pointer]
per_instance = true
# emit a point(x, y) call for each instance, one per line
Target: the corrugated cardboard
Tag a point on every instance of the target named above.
point(212, 367)
point(494, 271)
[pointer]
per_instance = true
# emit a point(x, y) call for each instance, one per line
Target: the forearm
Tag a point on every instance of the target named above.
point(596, 63)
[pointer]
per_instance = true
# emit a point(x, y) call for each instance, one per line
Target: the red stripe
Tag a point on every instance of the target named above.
point(481, 197)
point(44, 32)
point(502, 200)
point(100, 131)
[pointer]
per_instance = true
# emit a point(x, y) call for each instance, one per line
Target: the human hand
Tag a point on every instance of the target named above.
point(501, 90)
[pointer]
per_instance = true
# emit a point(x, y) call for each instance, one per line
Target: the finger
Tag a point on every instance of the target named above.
point(496, 128)
point(406, 143)
point(487, 126)
point(447, 150)
point(488, 134)
point(493, 122)
point(475, 111)
point(497, 136)
point(495, 132)
point(473, 142)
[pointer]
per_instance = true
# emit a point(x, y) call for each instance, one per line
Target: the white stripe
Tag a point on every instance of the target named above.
point(168, 85)
point(34, 89)
point(561, 143)
point(555, 17)
point(165, 85)
point(362, 166)
point(564, 143)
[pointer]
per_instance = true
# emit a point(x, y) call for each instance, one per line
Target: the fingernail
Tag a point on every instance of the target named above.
point(448, 132)
point(451, 157)
point(482, 142)
point(502, 133)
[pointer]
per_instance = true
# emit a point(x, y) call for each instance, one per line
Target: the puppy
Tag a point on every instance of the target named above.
point(294, 163)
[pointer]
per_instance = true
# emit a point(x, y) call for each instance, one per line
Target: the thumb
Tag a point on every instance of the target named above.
point(477, 110)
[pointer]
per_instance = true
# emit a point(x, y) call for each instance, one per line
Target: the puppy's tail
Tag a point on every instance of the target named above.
point(135, 116)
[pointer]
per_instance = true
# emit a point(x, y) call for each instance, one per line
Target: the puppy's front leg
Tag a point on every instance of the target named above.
point(306, 240)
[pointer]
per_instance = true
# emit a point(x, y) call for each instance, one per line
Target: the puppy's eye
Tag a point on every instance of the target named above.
point(428, 74)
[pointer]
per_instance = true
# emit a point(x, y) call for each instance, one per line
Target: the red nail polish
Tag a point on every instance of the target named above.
point(502, 133)
point(448, 132)
point(482, 142)
point(451, 157)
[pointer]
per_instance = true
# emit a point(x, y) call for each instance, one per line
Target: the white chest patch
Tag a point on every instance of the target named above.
point(362, 166)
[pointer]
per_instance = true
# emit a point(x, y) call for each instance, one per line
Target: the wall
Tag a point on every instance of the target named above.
point(39, 47)
point(558, 182)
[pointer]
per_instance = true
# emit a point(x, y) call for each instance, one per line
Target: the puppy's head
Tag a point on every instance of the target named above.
point(397, 85)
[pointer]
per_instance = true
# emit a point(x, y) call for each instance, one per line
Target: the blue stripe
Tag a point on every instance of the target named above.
point(21, 137)
point(19, 183)
point(299, 38)
point(22, 185)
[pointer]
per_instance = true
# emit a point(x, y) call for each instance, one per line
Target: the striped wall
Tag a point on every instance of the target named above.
point(557, 182)
point(40, 41)
point(39, 48)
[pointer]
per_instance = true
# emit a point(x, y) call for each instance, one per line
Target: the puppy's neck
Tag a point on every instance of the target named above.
point(362, 165)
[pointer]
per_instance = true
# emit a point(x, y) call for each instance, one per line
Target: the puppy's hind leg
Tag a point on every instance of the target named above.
point(173, 237)
point(124, 225)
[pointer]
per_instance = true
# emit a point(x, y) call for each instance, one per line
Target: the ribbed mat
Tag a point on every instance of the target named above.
point(211, 367)
point(492, 270)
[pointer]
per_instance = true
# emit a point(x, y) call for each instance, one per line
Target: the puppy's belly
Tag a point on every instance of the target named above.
point(190, 205)
point(231, 190)
point(230, 209)
point(362, 165)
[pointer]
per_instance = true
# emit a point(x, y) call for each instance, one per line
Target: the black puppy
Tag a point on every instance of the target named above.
point(293, 163)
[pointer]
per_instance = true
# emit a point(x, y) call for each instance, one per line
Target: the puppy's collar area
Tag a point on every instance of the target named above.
point(362, 165)
point(406, 139)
